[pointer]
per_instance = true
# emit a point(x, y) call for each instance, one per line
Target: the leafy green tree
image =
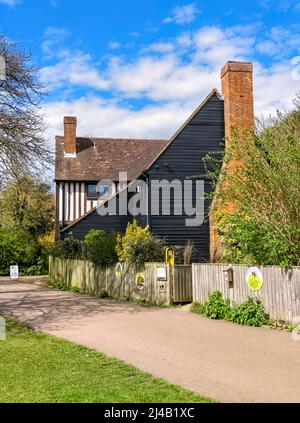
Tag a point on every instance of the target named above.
point(17, 247)
point(27, 205)
point(259, 193)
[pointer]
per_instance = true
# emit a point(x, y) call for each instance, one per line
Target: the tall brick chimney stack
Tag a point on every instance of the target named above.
point(237, 90)
point(70, 123)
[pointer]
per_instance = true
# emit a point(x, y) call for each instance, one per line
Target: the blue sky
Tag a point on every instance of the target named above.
point(139, 68)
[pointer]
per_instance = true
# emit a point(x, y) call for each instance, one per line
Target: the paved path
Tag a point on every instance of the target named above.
point(219, 359)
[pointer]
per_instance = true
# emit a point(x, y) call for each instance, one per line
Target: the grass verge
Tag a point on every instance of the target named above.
point(36, 367)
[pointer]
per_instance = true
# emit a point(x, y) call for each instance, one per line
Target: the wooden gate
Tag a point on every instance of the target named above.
point(182, 284)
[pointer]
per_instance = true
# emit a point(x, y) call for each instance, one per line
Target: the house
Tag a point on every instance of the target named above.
point(91, 187)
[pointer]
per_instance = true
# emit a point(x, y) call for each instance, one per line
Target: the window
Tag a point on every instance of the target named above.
point(92, 191)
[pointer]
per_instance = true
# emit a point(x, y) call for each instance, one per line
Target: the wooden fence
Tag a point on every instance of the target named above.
point(118, 281)
point(156, 284)
point(280, 293)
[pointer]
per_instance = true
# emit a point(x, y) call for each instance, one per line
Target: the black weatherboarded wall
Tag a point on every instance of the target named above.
point(182, 160)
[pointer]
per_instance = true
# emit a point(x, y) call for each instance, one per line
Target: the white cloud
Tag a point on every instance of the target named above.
point(10, 2)
point(215, 45)
point(184, 40)
point(114, 45)
point(183, 14)
point(160, 48)
point(100, 117)
point(278, 5)
point(75, 68)
point(279, 42)
point(169, 85)
point(53, 40)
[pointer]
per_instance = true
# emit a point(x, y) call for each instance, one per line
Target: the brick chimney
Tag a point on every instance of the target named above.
point(70, 123)
point(237, 90)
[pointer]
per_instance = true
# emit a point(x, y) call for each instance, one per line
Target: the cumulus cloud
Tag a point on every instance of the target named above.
point(279, 42)
point(183, 14)
point(75, 68)
point(102, 117)
point(168, 86)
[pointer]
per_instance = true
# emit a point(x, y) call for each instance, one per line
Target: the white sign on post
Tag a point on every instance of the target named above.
point(14, 272)
point(161, 273)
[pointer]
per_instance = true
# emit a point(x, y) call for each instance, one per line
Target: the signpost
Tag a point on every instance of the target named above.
point(161, 273)
point(14, 272)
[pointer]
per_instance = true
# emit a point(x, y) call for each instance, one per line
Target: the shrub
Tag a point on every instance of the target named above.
point(133, 234)
point(100, 247)
point(216, 307)
point(146, 250)
point(69, 248)
point(40, 268)
point(17, 247)
point(250, 313)
point(139, 246)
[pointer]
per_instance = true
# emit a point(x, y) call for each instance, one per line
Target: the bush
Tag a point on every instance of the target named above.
point(17, 247)
point(100, 247)
point(133, 234)
point(216, 307)
point(250, 313)
point(69, 248)
point(139, 246)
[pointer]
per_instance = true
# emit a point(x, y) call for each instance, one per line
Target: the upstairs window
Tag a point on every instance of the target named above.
point(93, 193)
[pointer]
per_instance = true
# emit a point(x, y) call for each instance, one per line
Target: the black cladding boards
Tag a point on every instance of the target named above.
point(182, 160)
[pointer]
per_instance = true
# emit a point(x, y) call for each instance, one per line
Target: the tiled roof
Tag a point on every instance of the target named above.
point(104, 158)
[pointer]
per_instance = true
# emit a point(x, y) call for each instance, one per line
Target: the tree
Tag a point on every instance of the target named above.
point(264, 187)
point(22, 147)
point(26, 204)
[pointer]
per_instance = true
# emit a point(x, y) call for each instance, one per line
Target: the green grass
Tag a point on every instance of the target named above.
point(36, 367)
